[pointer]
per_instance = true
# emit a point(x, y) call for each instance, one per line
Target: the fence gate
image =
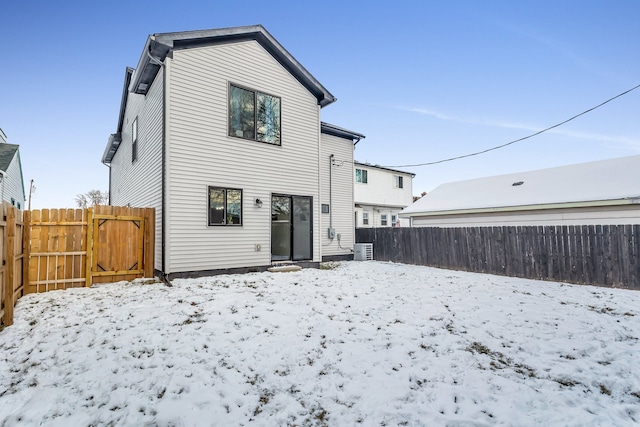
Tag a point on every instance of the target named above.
point(117, 247)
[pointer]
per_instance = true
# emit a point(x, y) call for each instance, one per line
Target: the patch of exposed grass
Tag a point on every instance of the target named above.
point(330, 265)
point(500, 361)
point(566, 382)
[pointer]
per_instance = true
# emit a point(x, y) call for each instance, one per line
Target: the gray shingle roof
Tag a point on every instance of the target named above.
point(7, 153)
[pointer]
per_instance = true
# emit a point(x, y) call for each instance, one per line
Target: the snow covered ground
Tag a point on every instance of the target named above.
point(365, 343)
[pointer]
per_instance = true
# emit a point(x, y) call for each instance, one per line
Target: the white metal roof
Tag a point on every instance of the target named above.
point(612, 179)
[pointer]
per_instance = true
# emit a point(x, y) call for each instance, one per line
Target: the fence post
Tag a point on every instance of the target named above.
point(26, 250)
point(10, 265)
point(89, 240)
point(149, 242)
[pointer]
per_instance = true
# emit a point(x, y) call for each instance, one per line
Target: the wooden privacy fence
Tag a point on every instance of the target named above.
point(602, 255)
point(66, 248)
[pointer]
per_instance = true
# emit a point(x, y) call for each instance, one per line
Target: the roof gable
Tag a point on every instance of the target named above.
point(604, 180)
point(160, 45)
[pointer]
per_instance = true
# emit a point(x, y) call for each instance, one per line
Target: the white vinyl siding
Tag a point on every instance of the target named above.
point(609, 215)
point(342, 194)
point(139, 184)
point(12, 183)
point(201, 154)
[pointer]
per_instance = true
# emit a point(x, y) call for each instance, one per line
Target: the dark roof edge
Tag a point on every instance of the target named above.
point(114, 139)
point(24, 194)
point(125, 96)
point(383, 168)
point(334, 130)
point(159, 45)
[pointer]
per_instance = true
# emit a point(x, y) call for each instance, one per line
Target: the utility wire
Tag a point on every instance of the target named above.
point(517, 140)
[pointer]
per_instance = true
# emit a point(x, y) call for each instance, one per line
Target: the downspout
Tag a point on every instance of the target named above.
point(3, 178)
point(109, 201)
point(163, 275)
point(330, 196)
point(164, 175)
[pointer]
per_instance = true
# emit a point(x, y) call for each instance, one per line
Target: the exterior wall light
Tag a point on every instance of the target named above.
point(259, 203)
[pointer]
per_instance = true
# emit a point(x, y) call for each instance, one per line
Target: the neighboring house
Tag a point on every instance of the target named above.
point(219, 130)
point(380, 194)
point(11, 181)
point(605, 192)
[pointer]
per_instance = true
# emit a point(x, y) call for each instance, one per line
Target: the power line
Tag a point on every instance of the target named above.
point(517, 140)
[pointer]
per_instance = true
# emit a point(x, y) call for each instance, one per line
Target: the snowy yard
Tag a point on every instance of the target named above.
point(364, 343)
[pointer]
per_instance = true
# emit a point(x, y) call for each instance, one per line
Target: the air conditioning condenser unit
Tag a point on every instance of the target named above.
point(363, 252)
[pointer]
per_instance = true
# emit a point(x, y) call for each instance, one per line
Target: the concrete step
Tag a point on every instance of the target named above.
point(284, 268)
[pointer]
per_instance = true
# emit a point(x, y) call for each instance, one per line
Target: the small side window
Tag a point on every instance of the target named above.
point(134, 140)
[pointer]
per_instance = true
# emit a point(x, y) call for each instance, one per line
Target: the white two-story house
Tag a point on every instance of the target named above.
point(219, 130)
point(380, 194)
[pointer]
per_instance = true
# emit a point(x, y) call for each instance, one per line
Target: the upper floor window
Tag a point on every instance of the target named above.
point(399, 181)
point(225, 206)
point(361, 175)
point(134, 140)
point(254, 115)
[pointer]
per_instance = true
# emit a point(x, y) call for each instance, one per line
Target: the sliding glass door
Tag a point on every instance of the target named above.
point(291, 228)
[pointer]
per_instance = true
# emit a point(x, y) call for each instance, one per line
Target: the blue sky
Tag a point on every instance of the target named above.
point(423, 80)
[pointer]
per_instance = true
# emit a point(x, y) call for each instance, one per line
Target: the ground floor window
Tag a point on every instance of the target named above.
point(365, 218)
point(225, 206)
point(383, 220)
